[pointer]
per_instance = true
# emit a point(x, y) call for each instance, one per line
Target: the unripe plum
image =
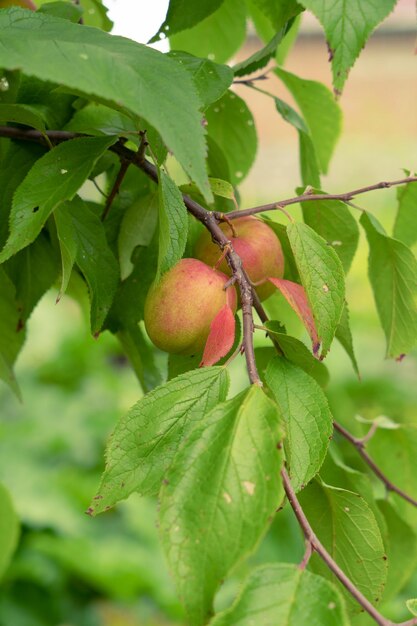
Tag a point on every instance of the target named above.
point(258, 247)
point(26, 4)
point(181, 307)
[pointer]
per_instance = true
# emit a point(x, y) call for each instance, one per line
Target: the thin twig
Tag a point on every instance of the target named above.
point(359, 444)
point(307, 555)
point(308, 197)
point(115, 189)
point(318, 547)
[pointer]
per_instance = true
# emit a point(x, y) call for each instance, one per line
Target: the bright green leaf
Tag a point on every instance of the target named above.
point(321, 113)
point(22, 114)
point(92, 254)
point(393, 274)
point(322, 277)
point(220, 492)
point(306, 414)
point(136, 229)
point(173, 223)
point(11, 335)
point(64, 10)
point(95, 14)
point(231, 125)
point(260, 58)
point(9, 529)
point(182, 15)
point(132, 78)
point(346, 526)
point(344, 336)
point(412, 605)
point(141, 356)
point(145, 440)
point(217, 37)
point(347, 25)
point(54, 178)
point(285, 595)
point(279, 13)
point(405, 227)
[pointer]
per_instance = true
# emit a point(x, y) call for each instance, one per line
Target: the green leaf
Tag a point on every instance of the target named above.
point(322, 276)
point(210, 79)
point(412, 605)
point(217, 37)
point(333, 221)
point(11, 337)
point(393, 274)
point(347, 528)
point(306, 414)
point(344, 336)
point(54, 178)
point(97, 119)
point(297, 352)
point(33, 271)
point(9, 529)
point(92, 254)
point(95, 14)
point(182, 15)
point(285, 595)
point(290, 268)
point(17, 161)
point(136, 229)
point(141, 356)
point(320, 111)
point(347, 26)
point(260, 58)
point(221, 491)
point(22, 114)
point(405, 227)
point(173, 223)
point(401, 540)
point(231, 125)
point(145, 440)
point(279, 13)
point(64, 10)
point(132, 78)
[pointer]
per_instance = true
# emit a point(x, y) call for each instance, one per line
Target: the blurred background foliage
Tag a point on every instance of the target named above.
point(70, 570)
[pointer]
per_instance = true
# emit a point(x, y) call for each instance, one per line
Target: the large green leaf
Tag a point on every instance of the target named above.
point(9, 529)
point(82, 232)
point(173, 223)
point(260, 58)
point(132, 78)
point(285, 595)
point(278, 13)
point(231, 125)
point(347, 25)
point(217, 37)
point(145, 440)
point(54, 178)
point(221, 491)
point(307, 417)
point(405, 227)
point(21, 114)
point(347, 528)
point(320, 111)
point(393, 275)
point(183, 14)
point(333, 221)
point(297, 352)
point(322, 277)
point(11, 335)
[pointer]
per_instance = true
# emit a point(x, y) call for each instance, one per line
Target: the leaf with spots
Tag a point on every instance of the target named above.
point(306, 414)
point(322, 277)
point(221, 337)
point(145, 440)
point(285, 595)
point(173, 223)
point(347, 25)
point(54, 178)
point(297, 298)
point(231, 125)
point(346, 526)
point(392, 270)
point(221, 490)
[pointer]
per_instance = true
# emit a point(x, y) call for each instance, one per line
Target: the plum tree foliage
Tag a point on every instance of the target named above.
point(81, 106)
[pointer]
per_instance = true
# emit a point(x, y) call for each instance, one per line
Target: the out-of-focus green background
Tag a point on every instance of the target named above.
point(70, 570)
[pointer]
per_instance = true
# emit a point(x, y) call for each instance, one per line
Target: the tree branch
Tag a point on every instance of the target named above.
point(307, 196)
point(359, 444)
point(318, 547)
point(209, 219)
point(115, 189)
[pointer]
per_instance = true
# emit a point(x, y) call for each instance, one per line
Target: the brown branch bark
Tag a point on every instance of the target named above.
point(115, 189)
